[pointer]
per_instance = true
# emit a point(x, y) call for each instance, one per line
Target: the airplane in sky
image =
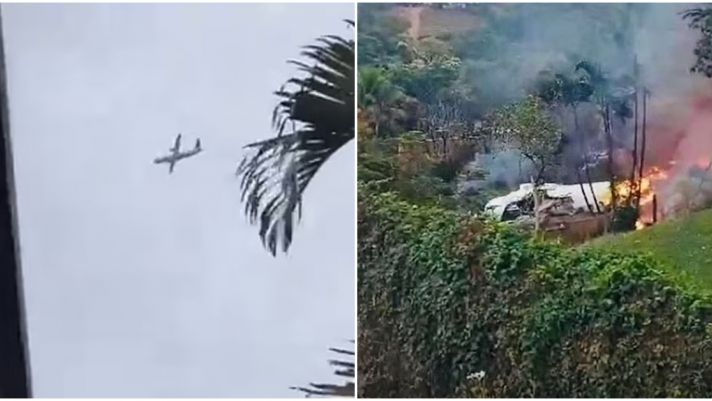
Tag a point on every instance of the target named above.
point(176, 154)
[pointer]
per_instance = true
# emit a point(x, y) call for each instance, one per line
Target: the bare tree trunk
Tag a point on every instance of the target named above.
point(642, 146)
point(585, 160)
point(14, 360)
point(444, 136)
point(590, 185)
point(540, 173)
point(535, 194)
point(583, 191)
point(634, 153)
point(655, 208)
point(609, 143)
point(519, 175)
point(584, 152)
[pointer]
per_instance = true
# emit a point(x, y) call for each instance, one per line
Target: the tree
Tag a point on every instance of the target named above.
point(528, 127)
point(641, 164)
point(427, 76)
point(570, 92)
point(379, 98)
point(612, 97)
point(701, 20)
point(379, 34)
point(313, 120)
point(443, 121)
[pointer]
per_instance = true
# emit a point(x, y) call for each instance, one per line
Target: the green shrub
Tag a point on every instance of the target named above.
point(445, 298)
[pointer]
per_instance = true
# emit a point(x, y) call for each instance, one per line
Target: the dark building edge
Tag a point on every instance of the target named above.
point(14, 357)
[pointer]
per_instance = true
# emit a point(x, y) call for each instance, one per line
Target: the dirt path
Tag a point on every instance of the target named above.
point(412, 14)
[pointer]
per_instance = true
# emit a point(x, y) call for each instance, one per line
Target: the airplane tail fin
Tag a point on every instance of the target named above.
point(176, 145)
point(197, 144)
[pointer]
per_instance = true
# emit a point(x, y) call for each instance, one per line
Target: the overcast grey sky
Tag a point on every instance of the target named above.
point(140, 283)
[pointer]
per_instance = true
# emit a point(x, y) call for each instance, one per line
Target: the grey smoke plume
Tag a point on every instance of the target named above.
point(503, 169)
point(525, 39)
point(528, 38)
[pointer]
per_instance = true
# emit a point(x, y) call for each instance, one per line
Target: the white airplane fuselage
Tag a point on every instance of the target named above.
point(177, 155)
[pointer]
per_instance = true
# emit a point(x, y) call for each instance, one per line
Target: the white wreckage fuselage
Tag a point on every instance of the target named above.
point(507, 207)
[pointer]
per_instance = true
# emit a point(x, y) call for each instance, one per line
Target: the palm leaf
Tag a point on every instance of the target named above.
point(313, 119)
point(343, 368)
point(696, 16)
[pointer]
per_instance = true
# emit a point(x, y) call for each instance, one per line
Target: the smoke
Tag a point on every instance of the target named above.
point(680, 112)
point(503, 60)
point(503, 169)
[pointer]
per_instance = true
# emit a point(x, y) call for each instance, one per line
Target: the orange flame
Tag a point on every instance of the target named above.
point(625, 190)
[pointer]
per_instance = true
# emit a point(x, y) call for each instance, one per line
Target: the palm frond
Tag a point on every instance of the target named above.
point(696, 16)
point(343, 368)
point(313, 119)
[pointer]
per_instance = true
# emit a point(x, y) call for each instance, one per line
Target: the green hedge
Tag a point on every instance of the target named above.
point(443, 296)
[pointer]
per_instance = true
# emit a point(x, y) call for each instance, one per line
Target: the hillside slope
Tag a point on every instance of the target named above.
point(685, 245)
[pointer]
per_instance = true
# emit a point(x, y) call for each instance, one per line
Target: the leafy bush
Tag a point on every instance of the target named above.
point(399, 164)
point(454, 306)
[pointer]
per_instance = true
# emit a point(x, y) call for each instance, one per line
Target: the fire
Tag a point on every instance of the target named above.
point(656, 180)
point(627, 190)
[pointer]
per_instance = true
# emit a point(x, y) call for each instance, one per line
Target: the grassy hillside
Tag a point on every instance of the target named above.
point(685, 245)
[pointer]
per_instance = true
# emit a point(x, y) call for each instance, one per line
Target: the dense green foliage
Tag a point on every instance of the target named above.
point(450, 305)
point(426, 182)
point(684, 245)
point(379, 35)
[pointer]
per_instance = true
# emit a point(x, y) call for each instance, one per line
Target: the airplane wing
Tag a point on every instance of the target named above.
point(176, 147)
point(170, 169)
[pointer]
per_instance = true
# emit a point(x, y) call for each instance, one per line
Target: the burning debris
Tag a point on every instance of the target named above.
point(679, 189)
point(562, 211)
point(631, 118)
point(556, 200)
point(682, 189)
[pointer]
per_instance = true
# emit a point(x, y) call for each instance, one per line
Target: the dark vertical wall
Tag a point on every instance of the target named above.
point(14, 362)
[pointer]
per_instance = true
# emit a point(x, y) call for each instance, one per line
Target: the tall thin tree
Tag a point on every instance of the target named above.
point(634, 152)
point(570, 92)
point(642, 147)
point(611, 96)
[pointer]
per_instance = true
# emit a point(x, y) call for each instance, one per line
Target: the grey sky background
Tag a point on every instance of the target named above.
point(140, 283)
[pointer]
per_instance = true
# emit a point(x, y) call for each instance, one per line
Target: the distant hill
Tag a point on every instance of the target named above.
point(430, 21)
